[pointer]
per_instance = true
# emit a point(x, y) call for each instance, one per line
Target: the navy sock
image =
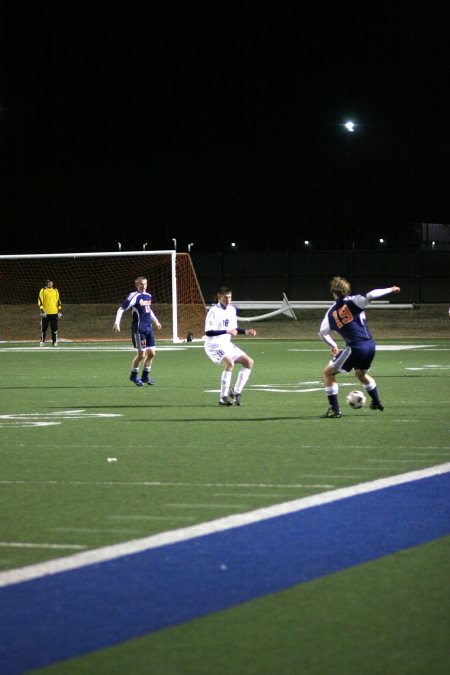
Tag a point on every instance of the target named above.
point(333, 401)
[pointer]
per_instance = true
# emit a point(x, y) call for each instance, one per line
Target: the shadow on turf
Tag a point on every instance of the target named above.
point(233, 419)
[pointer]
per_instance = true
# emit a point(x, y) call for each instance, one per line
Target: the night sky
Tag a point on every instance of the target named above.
point(212, 122)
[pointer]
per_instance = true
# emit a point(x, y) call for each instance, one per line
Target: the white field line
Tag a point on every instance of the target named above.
point(426, 454)
point(246, 494)
point(161, 484)
point(21, 544)
point(380, 348)
point(87, 530)
point(207, 506)
point(103, 554)
point(74, 348)
point(151, 518)
point(319, 446)
point(363, 469)
point(70, 347)
point(395, 461)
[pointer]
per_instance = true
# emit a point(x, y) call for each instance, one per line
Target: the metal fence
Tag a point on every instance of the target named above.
point(424, 276)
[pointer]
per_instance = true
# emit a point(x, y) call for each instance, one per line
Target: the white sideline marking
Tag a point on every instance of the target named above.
point(220, 525)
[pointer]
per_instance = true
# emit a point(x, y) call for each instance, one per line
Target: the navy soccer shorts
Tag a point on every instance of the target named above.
point(143, 341)
point(358, 357)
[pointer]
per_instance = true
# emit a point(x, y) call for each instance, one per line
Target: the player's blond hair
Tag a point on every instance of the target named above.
point(339, 287)
point(139, 279)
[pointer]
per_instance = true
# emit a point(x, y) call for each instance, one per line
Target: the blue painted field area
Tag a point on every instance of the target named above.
point(70, 613)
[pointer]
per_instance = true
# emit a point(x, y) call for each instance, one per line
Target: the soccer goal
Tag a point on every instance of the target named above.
point(93, 285)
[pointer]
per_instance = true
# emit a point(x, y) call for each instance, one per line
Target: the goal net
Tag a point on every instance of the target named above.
point(92, 286)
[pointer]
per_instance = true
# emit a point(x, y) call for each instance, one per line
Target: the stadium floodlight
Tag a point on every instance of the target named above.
point(119, 245)
point(174, 242)
point(190, 246)
point(350, 126)
point(381, 241)
point(144, 246)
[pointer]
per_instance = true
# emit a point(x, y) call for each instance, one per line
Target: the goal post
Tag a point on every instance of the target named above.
point(93, 285)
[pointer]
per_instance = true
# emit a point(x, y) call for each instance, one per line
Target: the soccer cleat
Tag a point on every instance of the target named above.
point(137, 381)
point(235, 397)
point(331, 413)
point(224, 400)
point(41, 344)
point(147, 380)
point(376, 406)
point(55, 344)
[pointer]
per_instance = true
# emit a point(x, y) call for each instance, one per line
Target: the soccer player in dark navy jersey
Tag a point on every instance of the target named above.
point(347, 318)
point(142, 318)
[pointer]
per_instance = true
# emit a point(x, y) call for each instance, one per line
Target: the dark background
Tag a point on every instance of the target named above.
point(212, 123)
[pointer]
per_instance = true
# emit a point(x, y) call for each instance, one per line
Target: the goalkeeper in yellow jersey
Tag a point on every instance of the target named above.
point(50, 307)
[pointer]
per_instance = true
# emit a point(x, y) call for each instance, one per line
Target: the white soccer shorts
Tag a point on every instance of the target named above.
point(216, 353)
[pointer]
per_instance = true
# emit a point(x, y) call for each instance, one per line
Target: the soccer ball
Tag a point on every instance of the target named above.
point(356, 399)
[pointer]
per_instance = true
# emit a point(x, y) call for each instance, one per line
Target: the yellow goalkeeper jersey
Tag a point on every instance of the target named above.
point(48, 300)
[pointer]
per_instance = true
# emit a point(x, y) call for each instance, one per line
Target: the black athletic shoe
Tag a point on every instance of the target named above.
point(235, 397)
point(224, 400)
point(376, 406)
point(331, 413)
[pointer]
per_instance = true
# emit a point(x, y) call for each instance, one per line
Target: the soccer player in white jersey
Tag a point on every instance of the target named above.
point(347, 318)
point(220, 326)
point(142, 318)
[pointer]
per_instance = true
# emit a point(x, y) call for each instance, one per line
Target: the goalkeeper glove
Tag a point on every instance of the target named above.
point(43, 314)
point(59, 315)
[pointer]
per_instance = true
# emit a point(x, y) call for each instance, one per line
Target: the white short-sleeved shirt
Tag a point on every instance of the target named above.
point(217, 346)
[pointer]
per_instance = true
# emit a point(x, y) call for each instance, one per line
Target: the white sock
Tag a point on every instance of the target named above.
point(243, 376)
point(225, 381)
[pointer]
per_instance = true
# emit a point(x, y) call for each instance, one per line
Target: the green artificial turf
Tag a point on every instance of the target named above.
point(88, 459)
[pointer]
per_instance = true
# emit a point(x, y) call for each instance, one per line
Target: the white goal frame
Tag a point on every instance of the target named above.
point(171, 252)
